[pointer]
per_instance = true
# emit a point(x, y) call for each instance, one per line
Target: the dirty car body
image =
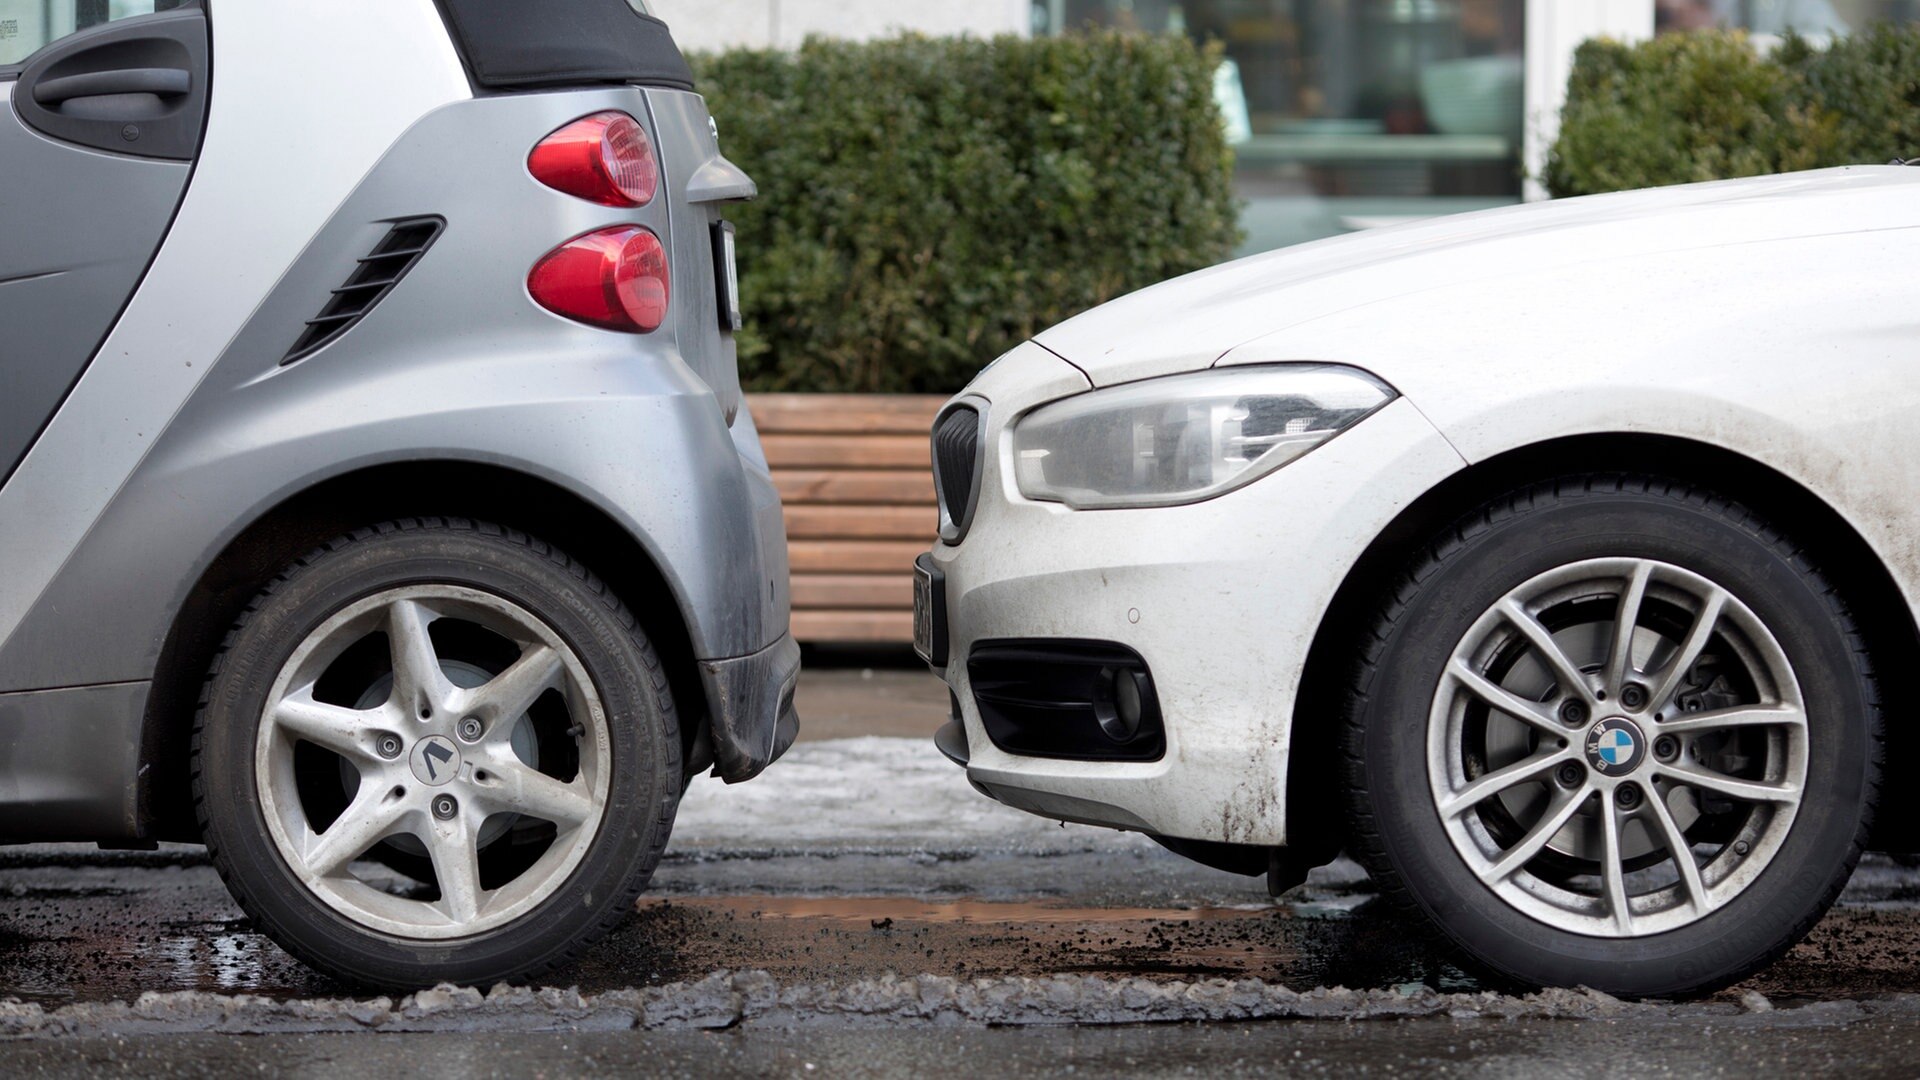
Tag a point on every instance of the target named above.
point(1242, 669)
point(271, 288)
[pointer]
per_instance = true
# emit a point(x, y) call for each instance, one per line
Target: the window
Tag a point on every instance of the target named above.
point(1351, 113)
point(26, 26)
point(1812, 18)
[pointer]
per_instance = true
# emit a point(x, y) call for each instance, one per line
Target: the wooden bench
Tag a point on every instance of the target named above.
point(854, 473)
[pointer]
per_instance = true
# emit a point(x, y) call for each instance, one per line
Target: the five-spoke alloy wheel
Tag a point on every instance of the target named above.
point(444, 754)
point(1613, 732)
point(436, 751)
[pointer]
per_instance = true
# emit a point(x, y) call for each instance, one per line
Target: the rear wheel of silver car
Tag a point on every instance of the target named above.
point(1616, 733)
point(436, 751)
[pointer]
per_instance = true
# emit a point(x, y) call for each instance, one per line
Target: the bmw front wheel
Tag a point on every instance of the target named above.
point(436, 751)
point(1615, 733)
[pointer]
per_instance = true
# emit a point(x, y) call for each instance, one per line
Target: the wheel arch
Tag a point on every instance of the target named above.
point(329, 507)
point(1869, 589)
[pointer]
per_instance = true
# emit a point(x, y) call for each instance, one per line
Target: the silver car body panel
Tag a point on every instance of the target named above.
point(234, 236)
point(81, 228)
point(188, 427)
point(62, 751)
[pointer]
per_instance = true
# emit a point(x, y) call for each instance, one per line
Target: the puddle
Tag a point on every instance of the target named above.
point(75, 935)
point(22, 892)
point(873, 908)
point(179, 933)
point(842, 938)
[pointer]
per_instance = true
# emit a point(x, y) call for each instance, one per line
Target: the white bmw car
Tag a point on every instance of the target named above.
point(1556, 562)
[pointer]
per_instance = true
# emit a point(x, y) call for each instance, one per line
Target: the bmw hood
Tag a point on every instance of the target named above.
point(1192, 322)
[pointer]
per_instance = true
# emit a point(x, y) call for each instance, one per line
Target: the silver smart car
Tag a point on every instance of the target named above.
point(376, 502)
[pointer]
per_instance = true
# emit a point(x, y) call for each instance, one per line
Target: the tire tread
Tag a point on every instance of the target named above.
point(656, 682)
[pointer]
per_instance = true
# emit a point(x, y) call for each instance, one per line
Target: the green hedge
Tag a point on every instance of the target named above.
point(925, 204)
point(1706, 106)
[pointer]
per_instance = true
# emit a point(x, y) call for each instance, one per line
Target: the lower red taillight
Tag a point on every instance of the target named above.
point(614, 278)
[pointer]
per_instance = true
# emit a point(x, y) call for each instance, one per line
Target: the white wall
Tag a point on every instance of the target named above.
point(717, 24)
point(1554, 29)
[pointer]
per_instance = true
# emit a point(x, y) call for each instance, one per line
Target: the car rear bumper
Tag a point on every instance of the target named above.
point(750, 699)
point(66, 757)
point(1220, 599)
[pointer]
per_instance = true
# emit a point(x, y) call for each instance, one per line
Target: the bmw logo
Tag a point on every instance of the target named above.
point(1615, 746)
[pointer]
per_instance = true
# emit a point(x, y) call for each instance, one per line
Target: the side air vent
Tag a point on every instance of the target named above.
point(956, 467)
point(376, 275)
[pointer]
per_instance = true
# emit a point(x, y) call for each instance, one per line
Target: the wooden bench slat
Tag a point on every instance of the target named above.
point(855, 556)
point(892, 592)
point(854, 474)
point(846, 487)
point(856, 414)
point(861, 523)
point(894, 626)
point(848, 451)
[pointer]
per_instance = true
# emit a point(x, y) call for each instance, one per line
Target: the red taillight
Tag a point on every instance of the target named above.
point(605, 157)
point(614, 277)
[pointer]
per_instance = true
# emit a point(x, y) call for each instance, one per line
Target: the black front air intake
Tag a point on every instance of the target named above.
point(1066, 698)
point(375, 276)
point(956, 468)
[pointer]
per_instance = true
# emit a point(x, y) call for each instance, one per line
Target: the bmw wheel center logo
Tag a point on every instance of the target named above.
point(1615, 746)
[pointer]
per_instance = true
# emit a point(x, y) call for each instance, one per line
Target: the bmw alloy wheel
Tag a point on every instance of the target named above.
point(1583, 723)
point(1613, 731)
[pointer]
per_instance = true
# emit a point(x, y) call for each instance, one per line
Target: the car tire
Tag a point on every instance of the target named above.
point(529, 757)
point(1490, 793)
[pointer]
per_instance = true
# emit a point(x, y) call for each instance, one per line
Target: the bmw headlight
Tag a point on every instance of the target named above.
point(1184, 438)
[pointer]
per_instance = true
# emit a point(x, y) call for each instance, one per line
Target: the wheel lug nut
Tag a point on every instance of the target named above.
point(1569, 775)
point(388, 746)
point(445, 806)
point(470, 728)
point(1741, 847)
point(1633, 696)
point(1627, 796)
point(1666, 748)
point(1573, 713)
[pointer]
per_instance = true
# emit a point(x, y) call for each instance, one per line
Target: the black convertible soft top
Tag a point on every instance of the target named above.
point(520, 44)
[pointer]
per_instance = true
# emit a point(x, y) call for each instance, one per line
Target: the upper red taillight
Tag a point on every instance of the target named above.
point(606, 158)
point(614, 277)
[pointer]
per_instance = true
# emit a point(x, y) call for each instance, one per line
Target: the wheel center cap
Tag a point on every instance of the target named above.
point(435, 760)
point(1615, 746)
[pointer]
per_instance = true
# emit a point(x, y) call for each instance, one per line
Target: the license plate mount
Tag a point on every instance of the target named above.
point(726, 276)
point(929, 611)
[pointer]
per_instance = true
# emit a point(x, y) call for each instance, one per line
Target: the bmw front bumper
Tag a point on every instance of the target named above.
point(1221, 599)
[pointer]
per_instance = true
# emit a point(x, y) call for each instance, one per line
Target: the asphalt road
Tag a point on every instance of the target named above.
point(1438, 1048)
point(860, 910)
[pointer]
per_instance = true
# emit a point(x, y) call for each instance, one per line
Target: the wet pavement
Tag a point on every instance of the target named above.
point(863, 886)
point(1745, 1047)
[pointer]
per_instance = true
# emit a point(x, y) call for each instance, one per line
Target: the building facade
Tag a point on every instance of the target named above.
point(1345, 113)
point(1365, 112)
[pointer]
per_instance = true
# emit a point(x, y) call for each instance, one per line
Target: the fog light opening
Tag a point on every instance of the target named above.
point(1066, 698)
point(1123, 706)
